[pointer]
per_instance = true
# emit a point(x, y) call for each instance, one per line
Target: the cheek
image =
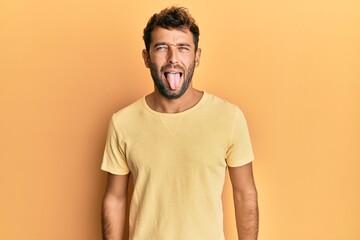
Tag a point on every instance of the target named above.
point(154, 64)
point(187, 59)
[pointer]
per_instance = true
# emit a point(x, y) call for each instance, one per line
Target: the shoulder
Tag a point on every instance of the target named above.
point(222, 106)
point(128, 113)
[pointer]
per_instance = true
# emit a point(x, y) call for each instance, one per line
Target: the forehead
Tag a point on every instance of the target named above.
point(171, 36)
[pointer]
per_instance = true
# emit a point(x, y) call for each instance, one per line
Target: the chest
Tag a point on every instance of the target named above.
point(176, 145)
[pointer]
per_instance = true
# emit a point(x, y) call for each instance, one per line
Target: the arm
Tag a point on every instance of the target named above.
point(245, 200)
point(114, 207)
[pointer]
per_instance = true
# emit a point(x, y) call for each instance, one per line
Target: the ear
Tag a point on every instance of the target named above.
point(197, 57)
point(145, 56)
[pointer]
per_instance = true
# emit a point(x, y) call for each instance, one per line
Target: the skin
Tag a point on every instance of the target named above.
point(174, 50)
point(245, 201)
point(114, 207)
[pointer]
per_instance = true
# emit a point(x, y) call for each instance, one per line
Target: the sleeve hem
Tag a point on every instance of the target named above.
point(114, 171)
point(240, 163)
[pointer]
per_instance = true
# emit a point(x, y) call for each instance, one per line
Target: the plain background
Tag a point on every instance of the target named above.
point(293, 67)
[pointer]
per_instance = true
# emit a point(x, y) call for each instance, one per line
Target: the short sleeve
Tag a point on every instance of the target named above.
point(114, 159)
point(240, 150)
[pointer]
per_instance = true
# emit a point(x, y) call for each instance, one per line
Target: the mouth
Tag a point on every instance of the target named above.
point(167, 73)
point(173, 79)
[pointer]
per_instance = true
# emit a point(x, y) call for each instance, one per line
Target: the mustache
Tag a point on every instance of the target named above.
point(171, 66)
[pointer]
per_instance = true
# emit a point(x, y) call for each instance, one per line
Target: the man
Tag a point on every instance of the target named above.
point(177, 143)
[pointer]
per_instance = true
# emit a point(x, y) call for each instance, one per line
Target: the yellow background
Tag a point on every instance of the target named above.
point(292, 66)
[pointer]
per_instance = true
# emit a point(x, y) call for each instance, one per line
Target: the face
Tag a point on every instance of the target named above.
point(172, 60)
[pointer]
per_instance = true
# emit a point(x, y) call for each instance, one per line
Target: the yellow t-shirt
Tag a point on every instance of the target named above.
point(178, 162)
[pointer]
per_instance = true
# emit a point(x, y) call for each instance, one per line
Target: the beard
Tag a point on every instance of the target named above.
point(161, 83)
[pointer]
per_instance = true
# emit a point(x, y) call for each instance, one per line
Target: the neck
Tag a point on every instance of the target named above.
point(159, 103)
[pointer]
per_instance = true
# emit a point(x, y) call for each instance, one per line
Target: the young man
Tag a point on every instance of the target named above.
point(177, 143)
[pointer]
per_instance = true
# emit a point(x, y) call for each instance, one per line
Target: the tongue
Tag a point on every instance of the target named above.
point(173, 80)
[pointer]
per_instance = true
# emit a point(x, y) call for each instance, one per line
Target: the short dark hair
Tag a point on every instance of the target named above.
point(172, 18)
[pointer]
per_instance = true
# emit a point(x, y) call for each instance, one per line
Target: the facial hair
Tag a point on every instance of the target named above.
point(161, 84)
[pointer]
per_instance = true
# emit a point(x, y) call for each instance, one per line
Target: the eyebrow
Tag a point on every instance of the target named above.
point(164, 43)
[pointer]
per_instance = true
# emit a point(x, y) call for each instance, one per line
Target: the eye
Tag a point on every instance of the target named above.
point(184, 48)
point(161, 48)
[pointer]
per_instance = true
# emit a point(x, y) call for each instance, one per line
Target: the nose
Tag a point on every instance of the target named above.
point(172, 55)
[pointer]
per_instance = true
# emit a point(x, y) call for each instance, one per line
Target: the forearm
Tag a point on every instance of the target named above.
point(247, 216)
point(113, 218)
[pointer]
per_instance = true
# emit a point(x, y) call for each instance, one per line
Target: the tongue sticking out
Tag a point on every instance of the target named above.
point(173, 80)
